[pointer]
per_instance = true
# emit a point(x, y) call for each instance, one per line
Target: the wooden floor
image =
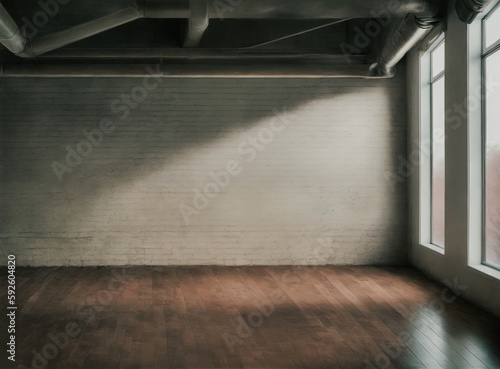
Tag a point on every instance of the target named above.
point(245, 317)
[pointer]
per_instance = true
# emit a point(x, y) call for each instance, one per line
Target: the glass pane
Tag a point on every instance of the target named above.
point(492, 162)
point(437, 226)
point(492, 27)
point(437, 60)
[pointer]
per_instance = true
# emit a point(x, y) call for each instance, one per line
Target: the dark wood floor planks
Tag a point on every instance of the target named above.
point(295, 317)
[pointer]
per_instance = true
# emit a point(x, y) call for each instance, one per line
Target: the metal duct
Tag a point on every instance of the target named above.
point(164, 9)
point(406, 33)
point(467, 10)
point(161, 69)
point(294, 9)
point(195, 55)
point(198, 12)
point(56, 40)
point(10, 35)
point(197, 23)
point(402, 39)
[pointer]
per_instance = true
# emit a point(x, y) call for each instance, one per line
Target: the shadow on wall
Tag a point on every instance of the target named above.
point(179, 132)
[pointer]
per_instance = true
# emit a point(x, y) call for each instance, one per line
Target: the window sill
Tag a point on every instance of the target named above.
point(489, 271)
point(433, 247)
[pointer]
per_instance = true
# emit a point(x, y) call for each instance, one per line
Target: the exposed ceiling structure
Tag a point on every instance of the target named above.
point(195, 38)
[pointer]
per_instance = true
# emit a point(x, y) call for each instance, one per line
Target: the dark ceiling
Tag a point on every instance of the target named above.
point(245, 35)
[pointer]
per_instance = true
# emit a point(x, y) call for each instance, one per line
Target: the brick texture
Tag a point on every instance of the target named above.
point(312, 192)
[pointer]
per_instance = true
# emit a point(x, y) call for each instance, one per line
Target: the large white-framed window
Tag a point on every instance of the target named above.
point(491, 137)
point(484, 140)
point(432, 141)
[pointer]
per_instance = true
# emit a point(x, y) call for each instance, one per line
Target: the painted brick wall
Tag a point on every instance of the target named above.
point(299, 171)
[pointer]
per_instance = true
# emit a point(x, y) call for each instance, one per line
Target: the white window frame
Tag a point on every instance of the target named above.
point(426, 131)
point(485, 52)
point(477, 140)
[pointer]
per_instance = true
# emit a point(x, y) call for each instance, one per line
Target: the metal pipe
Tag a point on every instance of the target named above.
point(467, 10)
point(197, 23)
point(404, 36)
point(197, 54)
point(56, 40)
point(166, 9)
point(10, 35)
point(294, 9)
point(406, 33)
point(77, 70)
point(298, 33)
point(199, 11)
point(188, 70)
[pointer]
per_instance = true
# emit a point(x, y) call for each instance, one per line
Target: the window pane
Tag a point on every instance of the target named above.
point(437, 60)
point(492, 28)
point(437, 226)
point(492, 162)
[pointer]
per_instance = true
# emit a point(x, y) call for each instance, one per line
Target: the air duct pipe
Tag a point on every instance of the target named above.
point(404, 36)
point(187, 70)
point(293, 9)
point(197, 23)
point(11, 38)
point(57, 40)
point(467, 10)
point(10, 35)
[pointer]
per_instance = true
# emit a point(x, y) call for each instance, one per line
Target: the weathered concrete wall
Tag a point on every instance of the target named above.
point(306, 187)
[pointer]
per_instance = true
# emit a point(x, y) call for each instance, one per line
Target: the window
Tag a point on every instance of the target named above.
point(432, 130)
point(437, 151)
point(490, 56)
